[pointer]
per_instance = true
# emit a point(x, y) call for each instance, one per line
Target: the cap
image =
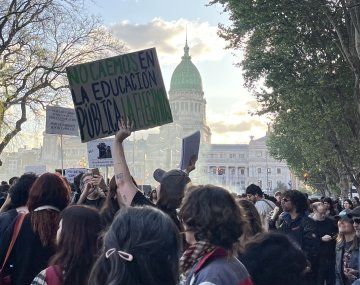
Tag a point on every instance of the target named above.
point(158, 174)
point(355, 212)
point(344, 215)
point(172, 182)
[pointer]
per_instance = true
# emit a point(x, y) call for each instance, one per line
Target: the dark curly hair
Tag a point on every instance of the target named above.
point(266, 260)
point(298, 199)
point(211, 213)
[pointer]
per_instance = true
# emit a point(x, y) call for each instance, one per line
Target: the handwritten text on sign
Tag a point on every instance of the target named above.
point(61, 121)
point(129, 86)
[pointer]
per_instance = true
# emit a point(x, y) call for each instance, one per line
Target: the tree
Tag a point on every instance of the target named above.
point(38, 40)
point(306, 54)
point(280, 187)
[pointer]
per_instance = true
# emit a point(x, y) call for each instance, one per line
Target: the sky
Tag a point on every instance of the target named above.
point(162, 24)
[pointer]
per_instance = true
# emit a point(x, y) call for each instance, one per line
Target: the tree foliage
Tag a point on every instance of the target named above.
point(306, 53)
point(38, 40)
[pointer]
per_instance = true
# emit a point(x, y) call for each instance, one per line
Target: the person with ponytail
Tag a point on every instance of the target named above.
point(141, 247)
point(35, 244)
point(77, 248)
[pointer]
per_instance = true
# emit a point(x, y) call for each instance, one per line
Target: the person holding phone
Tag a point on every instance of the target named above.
point(91, 194)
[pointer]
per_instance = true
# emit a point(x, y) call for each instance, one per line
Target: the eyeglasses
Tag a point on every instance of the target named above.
point(285, 199)
point(356, 220)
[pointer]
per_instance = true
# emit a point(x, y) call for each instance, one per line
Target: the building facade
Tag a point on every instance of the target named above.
point(233, 166)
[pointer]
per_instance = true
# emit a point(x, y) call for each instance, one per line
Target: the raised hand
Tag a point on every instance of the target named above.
point(125, 129)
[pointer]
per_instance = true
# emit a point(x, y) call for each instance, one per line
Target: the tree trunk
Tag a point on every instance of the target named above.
point(15, 131)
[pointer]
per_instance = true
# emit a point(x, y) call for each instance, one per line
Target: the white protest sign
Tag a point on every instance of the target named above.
point(99, 153)
point(190, 149)
point(71, 173)
point(129, 86)
point(61, 121)
point(37, 169)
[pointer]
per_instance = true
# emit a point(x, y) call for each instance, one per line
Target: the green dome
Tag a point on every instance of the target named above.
point(186, 76)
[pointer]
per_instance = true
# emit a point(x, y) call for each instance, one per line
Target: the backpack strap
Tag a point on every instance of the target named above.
point(19, 221)
point(267, 202)
point(52, 275)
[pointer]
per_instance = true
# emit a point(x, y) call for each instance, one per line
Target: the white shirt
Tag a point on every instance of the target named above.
point(264, 207)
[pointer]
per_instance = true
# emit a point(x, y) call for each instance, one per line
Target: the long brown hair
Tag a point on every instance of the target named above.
point(253, 222)
point(111, 205)
point(48, 189)
point(77, 245)
point(340, 240)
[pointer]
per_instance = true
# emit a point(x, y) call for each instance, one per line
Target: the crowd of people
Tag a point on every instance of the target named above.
point(90, 232)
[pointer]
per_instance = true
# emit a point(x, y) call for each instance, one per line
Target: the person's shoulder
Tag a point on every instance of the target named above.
point(260, 203)
point(40, 279)
point(307, 219)
point(308, 223)
point(140, 200)
point(9, 213)
point(223, 271)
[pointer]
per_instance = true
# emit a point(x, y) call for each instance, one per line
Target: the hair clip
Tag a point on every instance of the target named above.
point(124, 255)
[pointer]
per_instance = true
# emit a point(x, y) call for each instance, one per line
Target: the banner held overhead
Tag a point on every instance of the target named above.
point(129, 86)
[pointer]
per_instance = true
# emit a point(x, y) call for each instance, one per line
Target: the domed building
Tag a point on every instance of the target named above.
point(233, 166)
point(187, 101)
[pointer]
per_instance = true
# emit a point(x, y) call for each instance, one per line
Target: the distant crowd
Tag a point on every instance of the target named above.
point(92, 232)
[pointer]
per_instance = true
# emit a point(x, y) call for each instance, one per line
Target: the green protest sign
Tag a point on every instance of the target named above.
point(129, 86)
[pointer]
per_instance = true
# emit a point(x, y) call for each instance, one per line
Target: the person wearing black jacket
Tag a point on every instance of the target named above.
point(300, 228)
point(327, 232)
point(16, 201)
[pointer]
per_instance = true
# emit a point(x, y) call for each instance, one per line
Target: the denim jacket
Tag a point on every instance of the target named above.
point(217, 268)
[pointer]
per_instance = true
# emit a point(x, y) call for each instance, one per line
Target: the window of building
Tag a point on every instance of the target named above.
point(278, 171)
point(241, 171)
point(232, 171)
point(242, 184)
point(191, 107)
point(182, 106)
point(259, 170)
point(259, 154)
point(260, 183)
point(186, 106)
point(269, 185)
point(241, 155)
point(221, 170)
point(269, 170)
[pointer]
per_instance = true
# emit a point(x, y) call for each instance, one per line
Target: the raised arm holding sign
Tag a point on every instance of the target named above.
point(126, 189)
point(190, 151)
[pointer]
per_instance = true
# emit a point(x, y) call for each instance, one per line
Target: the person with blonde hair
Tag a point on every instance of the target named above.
point(347, 247)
